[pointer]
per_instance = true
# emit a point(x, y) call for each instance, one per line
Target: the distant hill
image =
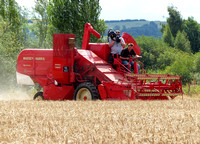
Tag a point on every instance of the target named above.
point(136, 27)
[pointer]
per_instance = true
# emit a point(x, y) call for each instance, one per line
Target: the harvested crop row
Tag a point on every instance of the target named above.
point(100, 121)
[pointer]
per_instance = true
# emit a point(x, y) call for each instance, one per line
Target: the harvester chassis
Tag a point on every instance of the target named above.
point(67, 73)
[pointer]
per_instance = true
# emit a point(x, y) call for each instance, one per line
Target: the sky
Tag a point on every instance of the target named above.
point(141, 9)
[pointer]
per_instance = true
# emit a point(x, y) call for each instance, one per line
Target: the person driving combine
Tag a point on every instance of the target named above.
point(126, 54)
point(116, 43)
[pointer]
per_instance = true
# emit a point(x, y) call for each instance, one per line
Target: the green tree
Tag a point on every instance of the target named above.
point(175, 21)
point(182, 42)
point(167, 36)
point(9, 50)
point(16, 19)
point(183, 65)
point(192, 28)
point(197, 67)
point(151, 48)
point(9, 10)
point(11, 42)
point(2, 9)
point(70, 17)
point(167, 57)
point(197, 62)
point(41, 26)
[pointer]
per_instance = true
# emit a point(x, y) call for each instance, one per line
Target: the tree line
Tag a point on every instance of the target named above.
point(175, 52)
point(126, 20)
point(136, 27)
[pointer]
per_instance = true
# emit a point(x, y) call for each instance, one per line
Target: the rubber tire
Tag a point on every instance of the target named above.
point(38, 96)
point(87, 86)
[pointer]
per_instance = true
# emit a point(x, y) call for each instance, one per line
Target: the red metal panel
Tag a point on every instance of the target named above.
point(115, 91)
point(43, 62)
point(35, 62)
point(104, 71)
point(100, 49)
point(91, 57)
point(61, 46)
point(63, 58)
point(25, 62)
point(129, 39)
point(102, 92)
point(53, 92)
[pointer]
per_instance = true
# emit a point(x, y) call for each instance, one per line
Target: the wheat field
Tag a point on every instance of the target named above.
point(28, 121)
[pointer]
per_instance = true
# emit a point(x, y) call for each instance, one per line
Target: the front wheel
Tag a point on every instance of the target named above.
point(38, 96)
point(86, 91)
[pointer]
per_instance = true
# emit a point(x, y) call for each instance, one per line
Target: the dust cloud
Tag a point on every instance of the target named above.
point(17, 94)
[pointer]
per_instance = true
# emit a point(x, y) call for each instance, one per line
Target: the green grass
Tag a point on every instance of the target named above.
point(192, 91)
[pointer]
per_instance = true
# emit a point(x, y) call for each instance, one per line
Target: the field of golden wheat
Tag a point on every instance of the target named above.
point(28, 121)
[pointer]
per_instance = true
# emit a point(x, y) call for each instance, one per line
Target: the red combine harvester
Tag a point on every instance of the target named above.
point(67, 73)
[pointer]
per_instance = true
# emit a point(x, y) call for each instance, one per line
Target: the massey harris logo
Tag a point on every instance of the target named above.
point(40, 58)
point(36, 58)
point(27, 58)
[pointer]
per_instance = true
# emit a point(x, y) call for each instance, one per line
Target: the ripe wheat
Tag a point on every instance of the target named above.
point(28, 121)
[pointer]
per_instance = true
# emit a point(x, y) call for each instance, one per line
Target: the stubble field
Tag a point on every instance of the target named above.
point(28, 121)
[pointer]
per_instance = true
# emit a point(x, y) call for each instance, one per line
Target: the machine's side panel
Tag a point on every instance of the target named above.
point(100, 49)
point(43, 62)
point(63, 58)
point(25, 63)
point(34, 62)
